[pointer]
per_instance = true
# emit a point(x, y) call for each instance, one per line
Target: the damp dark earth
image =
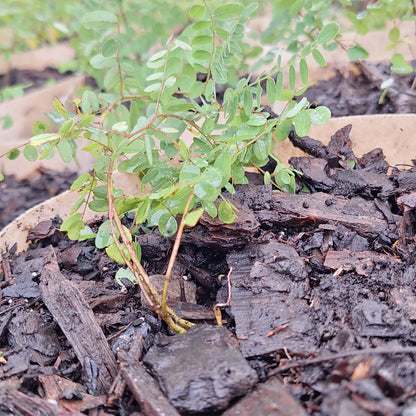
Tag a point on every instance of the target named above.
point(316, 291)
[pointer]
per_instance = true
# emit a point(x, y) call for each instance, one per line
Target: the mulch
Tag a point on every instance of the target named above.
point(318, 294)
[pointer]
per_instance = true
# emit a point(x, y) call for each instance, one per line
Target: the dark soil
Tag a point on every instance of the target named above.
point(320, 321)
point(18, 196)
point(33, 79)
point(357, 91)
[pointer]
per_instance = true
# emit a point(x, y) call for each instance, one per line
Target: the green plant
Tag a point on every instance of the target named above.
point(183, 125)
point(306, 17)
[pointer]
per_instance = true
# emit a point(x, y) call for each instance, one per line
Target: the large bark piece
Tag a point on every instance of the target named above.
point(146, 391)
point(269, 399)
point(76, 319)
point(201, 371)
point(268, 302)
point(357, 214)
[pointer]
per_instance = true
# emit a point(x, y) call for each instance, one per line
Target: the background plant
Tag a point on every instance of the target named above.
point(306, 17)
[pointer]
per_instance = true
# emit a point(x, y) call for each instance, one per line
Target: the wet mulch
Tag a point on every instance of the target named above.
point(356, 91)
point(318, 307)
point(32, 79)
point(18, 196)
point(317, 292)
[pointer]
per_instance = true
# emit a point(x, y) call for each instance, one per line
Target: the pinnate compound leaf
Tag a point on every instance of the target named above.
point(167, 225)
point(124, 274)
point(357, 53)
point(197, 11)
point(270, 90)
point(303, 70)
point(67, 127)
point(99, 20)
point(319, 58)
point(59, 107)
point(73, 226)
point(65, 150)
point(320, 115)
point(109, 48)
point(103, 237)
point(210, 208)
point(114, 253)
point(267, 179)
point(158, 55)
point(206, 191)
point(13, 154)
point(226, 212)
point(193, 217)
point(292, 77)
point(257, 120)
point(80, 181)
point(302, 123)
point(228, 11)
point(98, 205)
point(30, 153)
point(387, 83)
point(328, 33)
point(89, 102)
point(7, 122)
point(86, 234)
point(153, 87)
point(394, 34)
point(44, 138)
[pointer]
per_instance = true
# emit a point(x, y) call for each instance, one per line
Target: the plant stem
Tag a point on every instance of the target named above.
point(175, 250)
point(120, 73)
point(134, 265)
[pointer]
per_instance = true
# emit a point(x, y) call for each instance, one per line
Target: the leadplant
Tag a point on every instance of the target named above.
point(304, 19)
point(180, 129)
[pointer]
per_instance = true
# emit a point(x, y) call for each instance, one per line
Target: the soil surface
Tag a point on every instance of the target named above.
point(318, 307)
point(31, 79)
point(356, 91)
point(18, 196)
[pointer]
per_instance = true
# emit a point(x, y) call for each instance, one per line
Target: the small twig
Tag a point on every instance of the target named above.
point(5, 265)
point(174, 253)
point(218, 306)
point(332, 357)
point(277, 329)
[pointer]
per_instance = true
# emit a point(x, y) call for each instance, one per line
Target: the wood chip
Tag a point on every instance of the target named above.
point(76, 319)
